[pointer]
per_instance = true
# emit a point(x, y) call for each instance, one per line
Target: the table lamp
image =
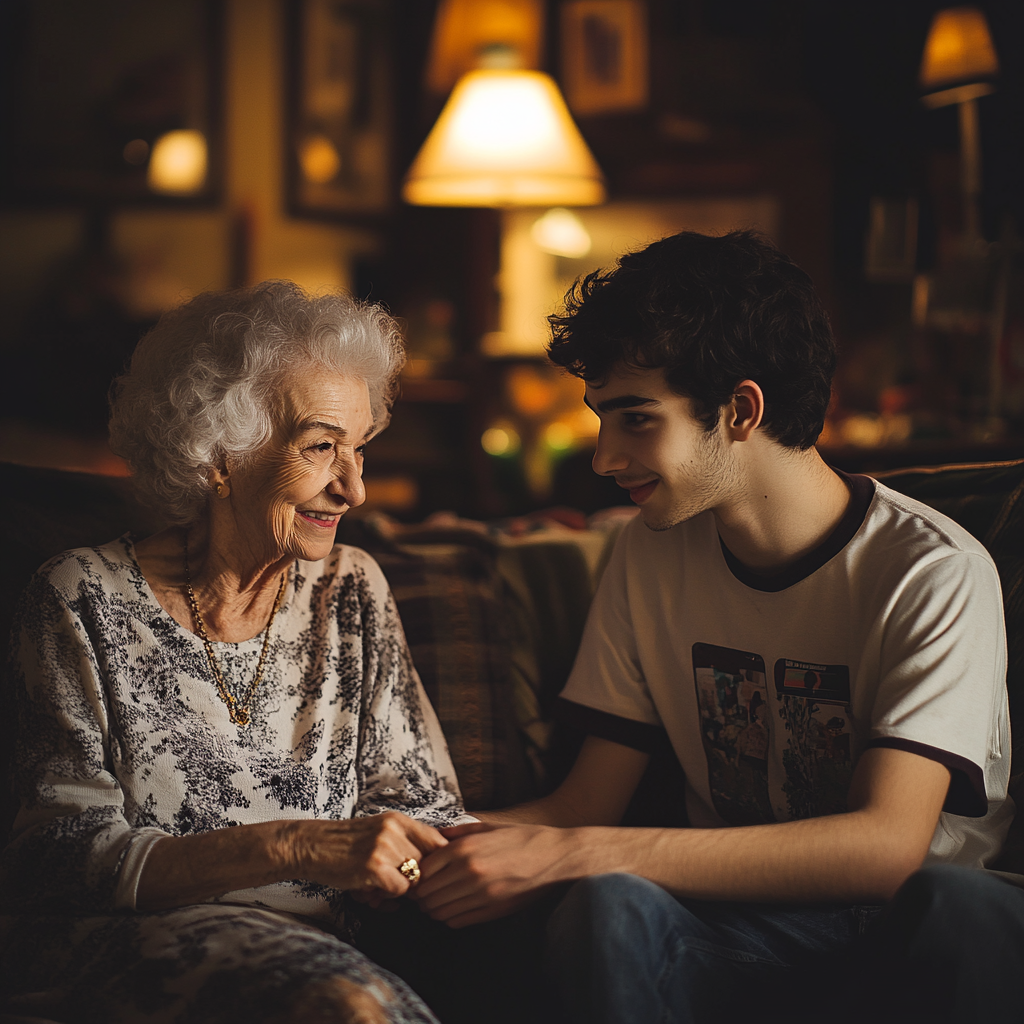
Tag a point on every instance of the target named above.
point(504, 138)
point(958, 58)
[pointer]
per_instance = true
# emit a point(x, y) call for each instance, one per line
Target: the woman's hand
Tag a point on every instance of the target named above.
point(362, 855)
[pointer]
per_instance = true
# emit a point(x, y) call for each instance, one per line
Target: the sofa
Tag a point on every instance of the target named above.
point(494, 611)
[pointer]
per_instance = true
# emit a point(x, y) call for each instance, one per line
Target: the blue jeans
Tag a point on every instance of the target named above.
point(621, 950)
point(950, 947)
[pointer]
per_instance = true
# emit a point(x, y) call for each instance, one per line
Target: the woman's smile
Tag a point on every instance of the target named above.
point(322, 520)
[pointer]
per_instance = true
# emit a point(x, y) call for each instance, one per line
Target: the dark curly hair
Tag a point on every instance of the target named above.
point(710, 311)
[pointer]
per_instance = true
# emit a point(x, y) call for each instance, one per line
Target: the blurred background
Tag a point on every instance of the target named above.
point(464, 161)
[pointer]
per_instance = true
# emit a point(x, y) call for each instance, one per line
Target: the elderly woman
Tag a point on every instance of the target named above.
point(220, 728)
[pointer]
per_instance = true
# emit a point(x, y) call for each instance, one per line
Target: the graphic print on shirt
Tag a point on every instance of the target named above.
point(814, 705)
point(732, 698)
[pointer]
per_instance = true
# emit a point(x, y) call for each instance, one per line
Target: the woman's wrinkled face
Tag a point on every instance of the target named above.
point(287, 499)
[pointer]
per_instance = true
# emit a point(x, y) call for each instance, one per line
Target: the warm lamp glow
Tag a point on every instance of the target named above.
point(959, 48)
point(561, 233)
point(319, 159)
point(533, 392)
point(505, 138)
point(559, 436)
point(178, 164)
point(500, 440)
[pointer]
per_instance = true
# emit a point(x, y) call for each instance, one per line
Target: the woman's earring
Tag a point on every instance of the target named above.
point(219, 489)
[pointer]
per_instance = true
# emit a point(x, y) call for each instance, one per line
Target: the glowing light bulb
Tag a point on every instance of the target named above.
point(178, 164)
point(561, 233)
point(319, 159)
point(559, 437)
point(500, 441)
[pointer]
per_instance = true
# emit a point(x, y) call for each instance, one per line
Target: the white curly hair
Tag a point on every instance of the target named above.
point(201, 385)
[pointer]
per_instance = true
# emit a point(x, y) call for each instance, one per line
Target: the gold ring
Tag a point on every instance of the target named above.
point(411, 870)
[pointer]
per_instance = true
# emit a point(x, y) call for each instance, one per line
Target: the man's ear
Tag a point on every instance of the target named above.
point(744, 413)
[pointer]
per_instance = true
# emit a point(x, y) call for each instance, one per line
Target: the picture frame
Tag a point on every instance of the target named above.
point(340, 112)
point(604, 55)
point(91, 91)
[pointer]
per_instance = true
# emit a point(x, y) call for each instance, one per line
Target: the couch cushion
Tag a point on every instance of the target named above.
point(47, 511)
point(452, 602)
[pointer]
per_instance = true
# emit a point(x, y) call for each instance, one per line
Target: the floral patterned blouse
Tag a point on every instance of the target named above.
point(123, 738)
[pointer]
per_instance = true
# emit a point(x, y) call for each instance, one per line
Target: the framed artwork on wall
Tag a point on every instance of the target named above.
point(604, 55)
point(340, 109)
point(111, 102)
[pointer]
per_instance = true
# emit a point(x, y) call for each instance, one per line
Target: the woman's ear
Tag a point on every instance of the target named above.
point(745, 412)
point(220, 481)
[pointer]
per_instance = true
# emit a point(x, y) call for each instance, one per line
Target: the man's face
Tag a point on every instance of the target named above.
point(652, 444)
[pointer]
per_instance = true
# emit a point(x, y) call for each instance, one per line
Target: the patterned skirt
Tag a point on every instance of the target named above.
point(204, 964)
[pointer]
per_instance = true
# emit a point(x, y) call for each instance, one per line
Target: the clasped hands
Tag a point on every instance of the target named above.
point(478, 872)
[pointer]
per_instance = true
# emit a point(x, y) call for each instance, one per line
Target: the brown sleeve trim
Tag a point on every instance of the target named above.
point(966, 796)
point(651, 739)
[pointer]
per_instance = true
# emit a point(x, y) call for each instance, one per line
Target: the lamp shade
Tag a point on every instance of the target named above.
point(505, 138)
point(958, 49)
point(465, 28)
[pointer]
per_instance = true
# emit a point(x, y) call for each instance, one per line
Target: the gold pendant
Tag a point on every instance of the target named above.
point(238, 715)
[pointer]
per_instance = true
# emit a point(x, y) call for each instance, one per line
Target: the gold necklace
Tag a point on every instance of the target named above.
point(238, 711)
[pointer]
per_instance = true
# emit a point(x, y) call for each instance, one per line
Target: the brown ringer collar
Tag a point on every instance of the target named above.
point(862, 490)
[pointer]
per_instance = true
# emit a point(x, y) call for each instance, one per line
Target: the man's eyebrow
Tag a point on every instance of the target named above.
point(621, 402)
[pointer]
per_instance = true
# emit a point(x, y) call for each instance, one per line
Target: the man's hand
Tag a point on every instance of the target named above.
point(488, 871)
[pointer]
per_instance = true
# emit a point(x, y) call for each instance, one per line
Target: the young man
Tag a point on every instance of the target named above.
point(825, 656)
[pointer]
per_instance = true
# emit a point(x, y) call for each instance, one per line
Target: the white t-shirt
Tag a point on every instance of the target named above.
point(890, 634)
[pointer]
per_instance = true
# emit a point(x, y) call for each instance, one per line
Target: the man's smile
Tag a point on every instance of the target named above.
point(641, 492)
